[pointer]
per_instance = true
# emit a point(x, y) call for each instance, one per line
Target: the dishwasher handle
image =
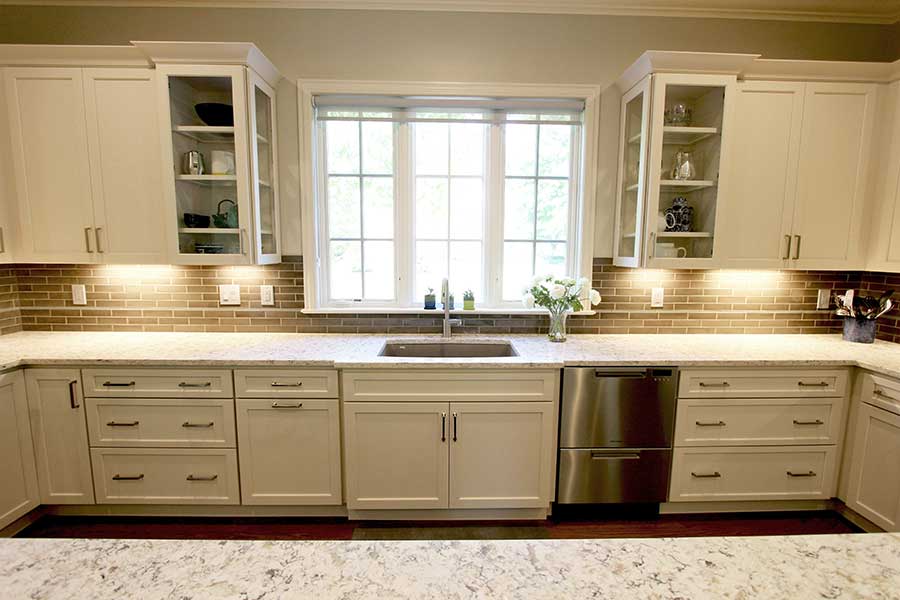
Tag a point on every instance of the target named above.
point(601, 373)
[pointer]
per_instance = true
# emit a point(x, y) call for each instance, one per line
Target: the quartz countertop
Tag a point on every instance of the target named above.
point(361, 351)
point(795, 567)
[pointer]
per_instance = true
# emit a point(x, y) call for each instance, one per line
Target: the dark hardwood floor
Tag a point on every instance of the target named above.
point(613, 526)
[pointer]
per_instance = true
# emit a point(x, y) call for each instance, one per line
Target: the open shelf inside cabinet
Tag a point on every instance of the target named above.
point(686, 135)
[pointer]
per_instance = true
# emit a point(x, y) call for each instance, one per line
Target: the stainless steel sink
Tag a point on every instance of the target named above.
point(448, 350)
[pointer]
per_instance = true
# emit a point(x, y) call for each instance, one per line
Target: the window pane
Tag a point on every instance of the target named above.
point(465, 270)
point(553, 209)
point(343, 207)
point(466, 208)
point(550, 259)
point(345, 269)
point(379, 275)
point(431, 267)
point(431, 207)
point(378, 148)
point(518, 209)
point(467, 149)
point(342, 143)
point(555, 150)
point(431, 148)
point(378, 207)
point(521, 149)
point(517, 271)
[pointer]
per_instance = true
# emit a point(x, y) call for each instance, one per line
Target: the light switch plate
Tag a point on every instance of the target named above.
point(657, 295)
point(267, 295)
point(824, 298)
point(79, 296)
point(229, 295)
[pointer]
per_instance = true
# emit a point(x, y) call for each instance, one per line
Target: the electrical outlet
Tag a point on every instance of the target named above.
point(79, 296)
point(657, 295)
point(229, 295)
point(267, 295)
point(824, 298)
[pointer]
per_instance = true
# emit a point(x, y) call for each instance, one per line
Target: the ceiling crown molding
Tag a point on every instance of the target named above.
point(843, 11)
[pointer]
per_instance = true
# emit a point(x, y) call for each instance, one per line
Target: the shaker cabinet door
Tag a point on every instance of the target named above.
point(875, 471)
point(19, 492)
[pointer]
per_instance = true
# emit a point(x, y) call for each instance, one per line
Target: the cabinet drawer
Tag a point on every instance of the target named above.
point(762, 383)
point(165, 476)
point(450, 386)
point(285, 383)
point(776, 473)
point(883, 392)
point(157, 383)
point(161, 422)
point(756, 422)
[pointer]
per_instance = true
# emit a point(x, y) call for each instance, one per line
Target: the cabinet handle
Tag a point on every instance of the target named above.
point(201, 425)
point(807, 474)
point(455, 427)
point(97, 239)
point(118, 477)
point(713, 475)
point(277, 384)
point(117, 384)
point(73, 395)
point(720, 384)
point(880, 393)
point(443, 427)
point(241, 241)
point(797, 247)
point(710, 424)
point(652, 245)
point(185, 384)
point(816, 422)
point(117, 424)
point(201, 478)
point(820, 384)
point(2, 242)
point(787, 250)
point(615, 455)
point(280, 405)
point(87, 240)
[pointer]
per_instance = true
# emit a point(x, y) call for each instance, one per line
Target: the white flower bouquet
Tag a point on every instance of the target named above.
point(559, 296)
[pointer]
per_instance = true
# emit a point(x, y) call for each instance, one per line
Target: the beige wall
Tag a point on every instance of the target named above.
point(440, 46)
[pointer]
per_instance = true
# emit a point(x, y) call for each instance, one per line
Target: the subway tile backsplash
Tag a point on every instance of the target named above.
point(185, 298)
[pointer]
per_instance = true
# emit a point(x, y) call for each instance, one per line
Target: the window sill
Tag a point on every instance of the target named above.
point(369, 310)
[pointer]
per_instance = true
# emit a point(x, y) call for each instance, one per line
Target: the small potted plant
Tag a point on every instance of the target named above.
point(559, 296)
point(468, 300)
point(430, 300)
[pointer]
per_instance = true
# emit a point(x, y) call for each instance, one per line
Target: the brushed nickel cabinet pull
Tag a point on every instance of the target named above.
point(97, 239)
point(615, 455)
point(787, 250)
point(117, 384)
point(443, 427)
point(807, 474)
point(720, 384)
point(816, 422)
point(712, 475)
point(123, 424)
point(200, 425)
point(292, 405)
point(710, 423)
point(241, 241)
point(820, 384)
point(73, 395)
point(797, 247)
point(2, 242)
point(455, 427)
point(202, 478)
point(185, 384)
point(87, 240)
point(277, 384)
point(880, 393)
point(118, 477)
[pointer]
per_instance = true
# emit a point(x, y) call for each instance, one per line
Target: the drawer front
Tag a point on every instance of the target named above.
point(757, 422)
point(589, 476)
point(881, 391)
point(165, 476)
point(776, 473)
point(763, 383)
point(451, 386)
point(157, 383)
point(285, 383)
point(161, 422)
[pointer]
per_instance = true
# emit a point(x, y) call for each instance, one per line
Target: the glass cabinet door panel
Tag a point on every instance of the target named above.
point(264, 168)
point(632, 176)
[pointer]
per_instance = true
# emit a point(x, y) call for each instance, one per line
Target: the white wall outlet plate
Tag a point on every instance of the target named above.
point(267, 295)
point(229, 295)
point(79, 296)
point(824, 298)
point(656, 297)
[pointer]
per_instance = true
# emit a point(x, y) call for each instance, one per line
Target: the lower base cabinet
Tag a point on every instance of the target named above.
point(19, 492)
point(438, 455)
point(875, 473)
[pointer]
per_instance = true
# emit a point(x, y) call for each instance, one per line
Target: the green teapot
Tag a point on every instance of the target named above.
point(227, 219)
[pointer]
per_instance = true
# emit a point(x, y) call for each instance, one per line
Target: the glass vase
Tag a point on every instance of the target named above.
point(557, 331)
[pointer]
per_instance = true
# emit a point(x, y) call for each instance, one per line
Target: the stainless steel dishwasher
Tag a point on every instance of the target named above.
point(615, 434)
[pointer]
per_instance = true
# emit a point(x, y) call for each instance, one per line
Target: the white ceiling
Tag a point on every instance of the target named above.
point(850, 11)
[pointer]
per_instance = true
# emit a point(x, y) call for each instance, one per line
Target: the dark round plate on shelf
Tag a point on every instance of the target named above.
point(215, 114)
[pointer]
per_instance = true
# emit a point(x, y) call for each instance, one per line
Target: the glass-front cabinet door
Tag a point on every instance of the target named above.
point(263, 158)
point(632, 179)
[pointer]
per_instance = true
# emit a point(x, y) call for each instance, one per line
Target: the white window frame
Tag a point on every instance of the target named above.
point(312, 165)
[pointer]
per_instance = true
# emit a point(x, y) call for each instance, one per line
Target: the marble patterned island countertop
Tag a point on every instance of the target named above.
point(361, 351)
point(790, 567)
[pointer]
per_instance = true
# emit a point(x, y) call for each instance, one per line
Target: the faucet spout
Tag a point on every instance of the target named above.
point(445, 298)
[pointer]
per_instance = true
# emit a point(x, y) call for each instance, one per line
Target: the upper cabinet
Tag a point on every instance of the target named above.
point(884, 245)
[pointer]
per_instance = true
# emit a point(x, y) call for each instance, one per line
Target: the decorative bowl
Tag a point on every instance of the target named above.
point(215, 114)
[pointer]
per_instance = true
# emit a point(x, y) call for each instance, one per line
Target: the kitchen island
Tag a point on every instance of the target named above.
point(795, 567)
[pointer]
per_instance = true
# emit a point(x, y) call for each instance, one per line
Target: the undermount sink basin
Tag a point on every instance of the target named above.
point(448, 350)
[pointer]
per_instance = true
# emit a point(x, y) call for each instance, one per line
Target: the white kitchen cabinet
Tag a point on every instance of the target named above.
point(19, 493)
point(501, 454)
point(884, 229)
point(290, 451)
point(57, 414)
point(397, 455)
point(8, 229)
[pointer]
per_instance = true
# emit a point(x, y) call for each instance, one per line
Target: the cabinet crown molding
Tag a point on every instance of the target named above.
point(45, 55)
